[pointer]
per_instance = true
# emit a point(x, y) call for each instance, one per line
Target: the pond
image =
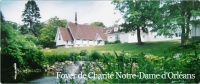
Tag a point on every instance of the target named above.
point(46, 77)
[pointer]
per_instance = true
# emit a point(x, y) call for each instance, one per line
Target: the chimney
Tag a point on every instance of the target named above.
point(75, 18)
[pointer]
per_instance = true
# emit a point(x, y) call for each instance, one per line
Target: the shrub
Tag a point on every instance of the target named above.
point(52, 58)
point(106, 42)
point(19, 49)
point(95, 55)
point(194, 40)
point(83, 52)
point(73, 56)
point(117, 41)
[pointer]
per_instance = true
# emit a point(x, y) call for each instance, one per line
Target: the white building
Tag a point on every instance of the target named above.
point(113, 34)
point(195, 32)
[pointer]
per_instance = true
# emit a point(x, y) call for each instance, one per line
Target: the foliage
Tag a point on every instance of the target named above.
point(18, 49)
point(194, 40)
point(106, 42)
point(173, 60)
point(31, 38)
point(52, 58)
point(73, 56)
point(95, 55)
point(83, 52)
point(100, 24)
point(176, 16)
point(2, 17)
point(137, 15)
point(30, 17)
point(13, 24)
point(48, 32)
point(117, 41)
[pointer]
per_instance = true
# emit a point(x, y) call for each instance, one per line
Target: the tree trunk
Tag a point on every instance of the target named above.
point(185, 30)
point(187, 27)
point(183, 39)
point(138, 36)
point(183, 35)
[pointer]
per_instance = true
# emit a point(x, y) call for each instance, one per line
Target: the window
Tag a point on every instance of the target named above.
point(110, 37)
point(154, 37)
point(176, 34)
point(132, 34)
point(115, 29)
point(117, 37)
point(143, 36)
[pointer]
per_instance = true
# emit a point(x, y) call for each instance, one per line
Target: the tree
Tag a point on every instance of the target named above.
point(100, 24)
point(13, 24)
point(177, 15)
point(20, 49)
point(137, 15)
point(30, 17)
point(48, 32)
point(2, 17)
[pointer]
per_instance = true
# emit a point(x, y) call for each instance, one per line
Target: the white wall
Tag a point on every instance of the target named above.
point(196, 31)
point(132, 37)
point(111, 37)
point(91, 42)
point(59, 42)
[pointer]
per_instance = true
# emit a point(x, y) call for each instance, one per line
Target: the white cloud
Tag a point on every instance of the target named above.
point(87, 11)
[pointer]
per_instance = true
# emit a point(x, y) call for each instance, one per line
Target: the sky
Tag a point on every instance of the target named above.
point(87, 11)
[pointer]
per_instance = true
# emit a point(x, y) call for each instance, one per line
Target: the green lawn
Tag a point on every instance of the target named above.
point(154, 48)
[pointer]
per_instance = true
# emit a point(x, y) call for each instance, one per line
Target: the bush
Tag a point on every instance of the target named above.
point(52, 58)
point(106, 42)
point(194, 40)
point(117, 41)
point(83, 52)
point(95, 55)
point(73, 56)
point(19, 49)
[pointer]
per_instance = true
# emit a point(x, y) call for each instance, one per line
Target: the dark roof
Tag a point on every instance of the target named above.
point(83, 32)
point(65, 34)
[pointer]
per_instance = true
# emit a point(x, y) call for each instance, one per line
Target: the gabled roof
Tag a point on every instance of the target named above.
point(65, 34)
point(82, 32)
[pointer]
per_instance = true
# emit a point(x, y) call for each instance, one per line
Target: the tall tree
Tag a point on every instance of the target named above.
point(137, 15)
point(178, 15)
point(100, 24)
point(30, 17)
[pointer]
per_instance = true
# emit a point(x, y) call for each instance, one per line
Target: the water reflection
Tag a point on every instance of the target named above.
point(46, 77)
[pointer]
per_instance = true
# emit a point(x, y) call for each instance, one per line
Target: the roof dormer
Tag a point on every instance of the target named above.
point(116, 29)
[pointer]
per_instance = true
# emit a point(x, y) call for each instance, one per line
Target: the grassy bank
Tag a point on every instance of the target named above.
point(149, 47)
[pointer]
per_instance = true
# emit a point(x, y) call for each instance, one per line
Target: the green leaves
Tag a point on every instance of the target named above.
point(100, 24)
point(19, 49)
point(31, 17)
point(137, 15)
point(48, 31)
